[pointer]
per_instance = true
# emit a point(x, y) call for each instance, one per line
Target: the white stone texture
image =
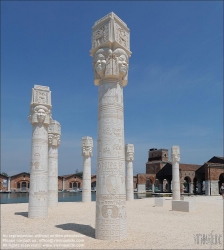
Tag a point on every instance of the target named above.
point(175, 155)
point(110, 51)
point(40, 118)
point(141, 188)
point(183, 206)
point(159, 201)
point(87, 145)
point(54, 133)
point(129, 157)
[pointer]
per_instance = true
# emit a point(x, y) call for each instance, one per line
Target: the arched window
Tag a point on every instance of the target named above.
point(23, 185)
point(18, 185)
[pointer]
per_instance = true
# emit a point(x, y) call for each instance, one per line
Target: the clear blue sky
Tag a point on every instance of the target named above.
point(175, 91)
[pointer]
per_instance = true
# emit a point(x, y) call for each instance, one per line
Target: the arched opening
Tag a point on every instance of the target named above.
point(195, 189)
point(165, 186)
point(70, 185)
point(93, 185)
point(28, 185)
point(148, 185)
point(221, 180)
point(18, 185)
point(187, 182)
point(157, 185)
point(23, 185)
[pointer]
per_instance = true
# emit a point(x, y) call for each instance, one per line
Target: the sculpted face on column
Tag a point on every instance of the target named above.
point(110, 64)
point(87, 151)
point(175, 153)
point(54, 140)
point(129, 150)
point(40, 114)
point(122, 61)
point(87, 145)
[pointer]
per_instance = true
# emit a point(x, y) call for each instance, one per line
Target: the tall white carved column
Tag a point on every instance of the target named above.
point(110, 51)
point(40, 118)
point(9, 184)
point(129, 157)
point(87, 145)
point(175, 155)
point(54, 133)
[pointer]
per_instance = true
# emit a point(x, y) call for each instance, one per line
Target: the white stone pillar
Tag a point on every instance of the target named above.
point(63, 183)
point(153, 188)
point(9, 184)
point(87, 145)
point(54, 133)
point(40, 118)
point(191, 185)
point(207, 187)
point(110, 51)
point(175, 155)
point(129, 157)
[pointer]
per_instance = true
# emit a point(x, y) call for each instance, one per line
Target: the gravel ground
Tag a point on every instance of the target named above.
point(71, 225)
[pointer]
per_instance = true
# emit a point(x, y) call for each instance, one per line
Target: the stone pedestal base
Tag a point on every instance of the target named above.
point(183, 206)
point(141, 188)
point(159, 202)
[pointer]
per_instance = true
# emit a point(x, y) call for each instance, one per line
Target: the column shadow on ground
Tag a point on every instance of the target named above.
point(25, 214)
point(79, 228)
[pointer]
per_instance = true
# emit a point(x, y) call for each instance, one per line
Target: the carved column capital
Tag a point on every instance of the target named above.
point(110, 49)
point(110, 64)
point(87, 146)
point(175, 154)
point(40, 106)
point(54, 133)
point(129, 152)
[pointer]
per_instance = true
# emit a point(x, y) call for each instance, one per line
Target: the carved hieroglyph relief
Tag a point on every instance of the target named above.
point(175, 156)
point(54, 134)
point(40, 118)
point(87, 145)
point(129, 157)
point(111, 194)
point(100, 36)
